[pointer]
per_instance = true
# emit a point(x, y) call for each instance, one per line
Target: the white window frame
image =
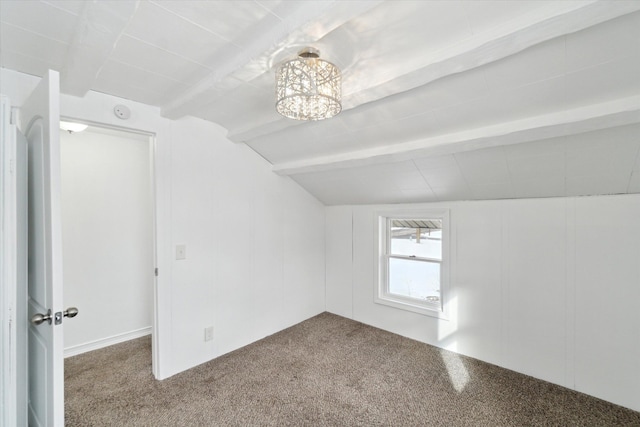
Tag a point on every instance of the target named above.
point(382, 295)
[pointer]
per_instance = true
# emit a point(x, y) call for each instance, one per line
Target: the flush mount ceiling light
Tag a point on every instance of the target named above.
point(72, 127)
point(308, 88)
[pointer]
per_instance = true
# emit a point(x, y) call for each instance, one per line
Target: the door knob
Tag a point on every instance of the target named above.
point(70, 312)
point(40, 318)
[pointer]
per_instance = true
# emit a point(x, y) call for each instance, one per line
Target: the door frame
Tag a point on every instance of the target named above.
point(153, 159)
point(8, 259)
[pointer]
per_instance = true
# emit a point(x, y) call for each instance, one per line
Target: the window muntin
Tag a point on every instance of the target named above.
point(412, 273)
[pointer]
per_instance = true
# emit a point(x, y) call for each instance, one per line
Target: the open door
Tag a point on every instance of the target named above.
point(40, 117)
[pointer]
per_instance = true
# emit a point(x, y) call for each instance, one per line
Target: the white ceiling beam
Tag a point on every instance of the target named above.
point(556, 20)
point(99, 28)
point(563, 123)
point(247, 58)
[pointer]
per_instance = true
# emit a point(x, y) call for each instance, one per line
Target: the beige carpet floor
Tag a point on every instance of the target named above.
point(326, 371)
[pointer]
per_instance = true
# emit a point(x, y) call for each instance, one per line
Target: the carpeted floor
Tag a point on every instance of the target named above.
point(327, 371)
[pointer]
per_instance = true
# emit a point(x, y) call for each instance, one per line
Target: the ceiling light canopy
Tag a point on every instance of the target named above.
point(308, 88)
point(72, 127)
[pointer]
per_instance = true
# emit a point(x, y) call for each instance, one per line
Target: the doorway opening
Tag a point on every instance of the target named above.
point(108, 235)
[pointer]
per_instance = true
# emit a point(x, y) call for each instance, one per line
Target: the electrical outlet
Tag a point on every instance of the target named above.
point(208, 333)
point(181, 251)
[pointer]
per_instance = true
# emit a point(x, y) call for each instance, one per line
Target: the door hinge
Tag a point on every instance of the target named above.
point(156, 271)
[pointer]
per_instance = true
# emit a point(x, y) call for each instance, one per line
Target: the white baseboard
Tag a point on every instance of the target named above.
point(106, 342)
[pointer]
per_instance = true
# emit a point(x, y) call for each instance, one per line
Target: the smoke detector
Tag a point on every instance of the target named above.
point(122, 112)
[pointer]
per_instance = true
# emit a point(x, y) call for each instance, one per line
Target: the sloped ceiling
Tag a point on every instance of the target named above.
point(443, 100)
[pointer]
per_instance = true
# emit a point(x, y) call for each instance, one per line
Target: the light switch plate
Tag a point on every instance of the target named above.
point(208, 333)
point(181, 251)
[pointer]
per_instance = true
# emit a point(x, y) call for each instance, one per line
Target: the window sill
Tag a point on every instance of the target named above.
point(431, 310)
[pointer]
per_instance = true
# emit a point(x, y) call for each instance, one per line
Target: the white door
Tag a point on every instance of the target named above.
point(40, 117)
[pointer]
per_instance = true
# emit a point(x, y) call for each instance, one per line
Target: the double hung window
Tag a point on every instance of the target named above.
point(412, 261)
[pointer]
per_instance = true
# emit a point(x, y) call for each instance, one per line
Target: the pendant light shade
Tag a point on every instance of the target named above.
point(308, 88)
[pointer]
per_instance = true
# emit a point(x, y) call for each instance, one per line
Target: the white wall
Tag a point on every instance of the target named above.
point(255, 240)
point(107, 236)
point(255, 245)
point(546, 287)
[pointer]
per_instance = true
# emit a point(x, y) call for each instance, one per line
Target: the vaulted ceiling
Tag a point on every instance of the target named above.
point(442, 100)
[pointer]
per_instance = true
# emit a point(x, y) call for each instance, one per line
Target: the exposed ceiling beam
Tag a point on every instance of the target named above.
point(99, 28)
point(556, 20)
point(562, 123)
point(250, 57)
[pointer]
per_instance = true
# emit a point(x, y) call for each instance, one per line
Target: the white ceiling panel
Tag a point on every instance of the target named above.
point(119, 79)
point(72, 6)
point(121, 72)
point(605, 152)
point(469, 115)
point(184, 38)
point(443, 100)
point(41, 18)
point(154, 59)
point(603, 138)
point(612, 160)
point(418, 195)
point(366, 116)
point(227, 19)
point(523, 169)
point(527, 101)
point(386, 169)
point(539, 62)
point(29, 44)
point(604, 82)
point(452, 90)
point(25, 64)
point(603, 43)
point(444, 178)
point(413, 127)
point(410, 181)
point(485, 15)
point(480, 167)
point(397, 132)
point(494, 190)
point(386, 51)
point(543, 147)
point(270, 5)
point(543, 186)
point(436, 162)
point(452, 192)
point(500, 105)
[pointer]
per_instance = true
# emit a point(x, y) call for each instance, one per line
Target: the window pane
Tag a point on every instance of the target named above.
point(414, 279)
point(419, 237)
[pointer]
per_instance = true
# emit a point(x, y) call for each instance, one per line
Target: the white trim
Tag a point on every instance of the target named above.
point(381, 230)
point(8, 258)
point(106, 342)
